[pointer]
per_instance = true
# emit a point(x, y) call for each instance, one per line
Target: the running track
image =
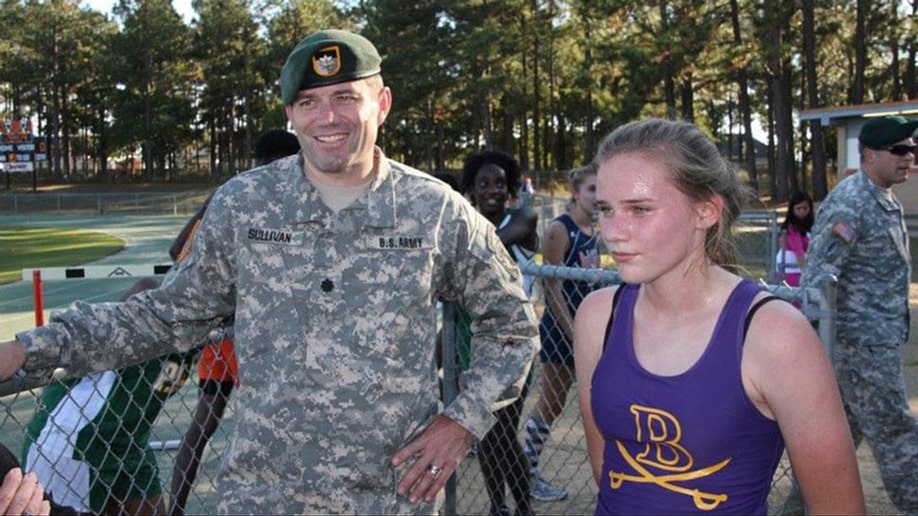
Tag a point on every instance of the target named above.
point(147, 240)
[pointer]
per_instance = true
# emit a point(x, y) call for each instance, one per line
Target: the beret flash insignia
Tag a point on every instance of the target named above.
point(327, 61)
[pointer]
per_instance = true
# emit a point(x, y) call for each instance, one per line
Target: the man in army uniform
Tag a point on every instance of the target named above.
point(332, 261)
point(860, 238)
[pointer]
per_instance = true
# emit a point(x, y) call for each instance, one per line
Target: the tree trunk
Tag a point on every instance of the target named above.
point(589, 138)
point(536, 97)
point(770, 162)
point(817, 142)
point(856, 95)
point(784, 126)
point(742, 81)
point(687, 97)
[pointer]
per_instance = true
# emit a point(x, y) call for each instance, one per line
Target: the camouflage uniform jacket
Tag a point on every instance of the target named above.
point(335, 330)
point(860, 237)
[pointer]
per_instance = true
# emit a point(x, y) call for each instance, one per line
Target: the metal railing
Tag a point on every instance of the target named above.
point(137, 203)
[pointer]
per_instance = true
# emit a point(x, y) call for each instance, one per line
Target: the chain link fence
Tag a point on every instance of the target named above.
point(169, 411)
point(564, 462)
point(136, 203)
point(130, 422)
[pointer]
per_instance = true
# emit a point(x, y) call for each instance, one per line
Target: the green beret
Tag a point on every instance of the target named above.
point(882, 132)
point(328, 57)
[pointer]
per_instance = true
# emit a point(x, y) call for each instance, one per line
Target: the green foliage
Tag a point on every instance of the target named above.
point(541, 79)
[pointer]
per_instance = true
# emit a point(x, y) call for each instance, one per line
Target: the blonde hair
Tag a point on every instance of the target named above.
point(697, 169)
point(577, 176)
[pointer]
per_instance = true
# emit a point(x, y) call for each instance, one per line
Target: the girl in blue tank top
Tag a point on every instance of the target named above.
point(690, 383)
point(570, 241)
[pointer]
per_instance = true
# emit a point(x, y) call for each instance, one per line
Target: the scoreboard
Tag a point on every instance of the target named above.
point(19, 148)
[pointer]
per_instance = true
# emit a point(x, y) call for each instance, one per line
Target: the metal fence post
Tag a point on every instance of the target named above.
point(450, 387)
point(828, 289)
point(773, 248)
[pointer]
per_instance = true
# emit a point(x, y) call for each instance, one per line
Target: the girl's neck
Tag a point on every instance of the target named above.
point(685, 290)
point(581, 217)
point(496, 217)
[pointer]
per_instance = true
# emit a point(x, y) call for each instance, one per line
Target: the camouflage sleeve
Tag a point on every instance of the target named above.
point(488, 284)
point(194, 298)
point(833, 236)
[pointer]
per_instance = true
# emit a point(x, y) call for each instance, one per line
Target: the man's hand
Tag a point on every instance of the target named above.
point(22, 495)
point(438, 450)
point(12, 357)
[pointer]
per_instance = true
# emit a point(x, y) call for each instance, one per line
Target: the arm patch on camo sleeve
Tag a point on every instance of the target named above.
point(843, 232)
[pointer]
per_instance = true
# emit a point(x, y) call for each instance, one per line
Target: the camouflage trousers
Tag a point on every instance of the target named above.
point(872, 383)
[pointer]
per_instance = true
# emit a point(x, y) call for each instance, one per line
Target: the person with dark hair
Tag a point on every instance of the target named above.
point(794, 238)
point(861, 241)
point(487, 177)
point(475, 162)
point(449, 179)
point(332, 263)
point(272, 145)
point(218, 369)
point(692, 380)
point(275, 144)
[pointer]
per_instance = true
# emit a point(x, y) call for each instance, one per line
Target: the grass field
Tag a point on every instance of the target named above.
point(46, 247)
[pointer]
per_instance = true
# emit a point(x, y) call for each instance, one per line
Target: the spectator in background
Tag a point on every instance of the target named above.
point(275, 144)
point(449, 179)
point(489, 179)
point(691, 382)
point(217, 367)
point(860, 238)
point(272, 145)
point(88, 441)
point(570, 241)
point(794, 238)
point(526, 192)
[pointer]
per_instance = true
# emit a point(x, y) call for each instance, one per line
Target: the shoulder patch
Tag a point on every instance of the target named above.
point(843, 232)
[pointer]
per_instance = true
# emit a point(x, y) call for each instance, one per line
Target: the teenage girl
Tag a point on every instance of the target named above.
point(570, 241)
point(795, 238)
point(691, 383)
point(491, 180)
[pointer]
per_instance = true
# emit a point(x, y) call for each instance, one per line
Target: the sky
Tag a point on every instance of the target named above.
point(183, 7)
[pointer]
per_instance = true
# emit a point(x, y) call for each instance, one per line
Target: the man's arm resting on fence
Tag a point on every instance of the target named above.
point(12, 358)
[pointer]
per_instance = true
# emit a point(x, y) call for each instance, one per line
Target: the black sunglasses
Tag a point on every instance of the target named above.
point(900, 150)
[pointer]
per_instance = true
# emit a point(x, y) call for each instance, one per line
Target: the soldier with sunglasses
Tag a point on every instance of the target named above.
point(860, 237)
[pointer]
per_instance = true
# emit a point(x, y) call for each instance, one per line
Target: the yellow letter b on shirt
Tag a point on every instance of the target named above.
point(662, 432)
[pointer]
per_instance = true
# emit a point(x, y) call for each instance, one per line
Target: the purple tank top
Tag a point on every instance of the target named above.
point(690, 443)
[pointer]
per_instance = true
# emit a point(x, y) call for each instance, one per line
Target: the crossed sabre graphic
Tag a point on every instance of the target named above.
point(703, 501)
